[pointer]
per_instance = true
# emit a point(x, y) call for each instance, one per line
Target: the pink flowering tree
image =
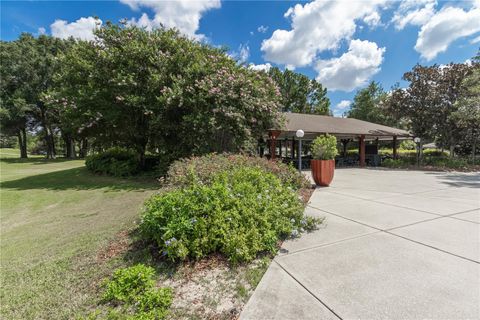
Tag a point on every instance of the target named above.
point(163, 92)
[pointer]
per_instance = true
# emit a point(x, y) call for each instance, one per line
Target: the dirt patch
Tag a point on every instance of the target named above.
point(119, 245)
point(305, 194)
point(212, 289)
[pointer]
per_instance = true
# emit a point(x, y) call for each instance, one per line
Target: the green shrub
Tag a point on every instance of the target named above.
point(158, 299)
point(446, 162)
point(115, 161)
point(182, 172)
point(134, 287)
point(407, 145)
point(435, 153)
point(324, 147)
point(238, 213)
point(127, 283)
point(396, 163)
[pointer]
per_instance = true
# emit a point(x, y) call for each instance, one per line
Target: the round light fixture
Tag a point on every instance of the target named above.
point(417, 140)
point(300, 133)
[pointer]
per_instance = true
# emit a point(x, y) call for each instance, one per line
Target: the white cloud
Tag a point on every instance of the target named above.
point(262, 29)
point(414, 12)
point(184, 15)
point(260, 67)
point(446, 26)
point(41, 30)
point(475, 40)
point(344, 104)
point(242, 54)
point(353, 68)
point(372, 19)
point(318, 26)
point(80, 29)
point(339, 109)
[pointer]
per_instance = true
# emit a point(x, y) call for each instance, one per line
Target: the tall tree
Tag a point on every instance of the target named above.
point(28, 65)
point(300, 93)
point(369, 105)
point(13, 119)
point(13, 107)
point(416, 103)
point(429, 100)
point(467, 115)
point(448, 130)
point(150, 90)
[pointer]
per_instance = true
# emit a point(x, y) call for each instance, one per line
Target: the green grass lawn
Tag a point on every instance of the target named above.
point(55, 217)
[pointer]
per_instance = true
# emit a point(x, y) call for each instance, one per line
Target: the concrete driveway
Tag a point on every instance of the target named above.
point(394, 245)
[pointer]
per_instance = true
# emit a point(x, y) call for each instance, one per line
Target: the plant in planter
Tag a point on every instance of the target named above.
point(324, 150)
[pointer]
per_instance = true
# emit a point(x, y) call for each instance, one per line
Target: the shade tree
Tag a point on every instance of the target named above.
point(162, 92)
point(299, 93)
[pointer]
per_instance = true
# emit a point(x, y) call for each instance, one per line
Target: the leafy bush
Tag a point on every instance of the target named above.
point(127, 283)
point(407, 145)
point(324, 147)
point(239, 213)
point(135, 287)
point(183, 172)
point(115, 161)
point(436, 162)
point(396, 163)
point(446, 162)
point(435, 153)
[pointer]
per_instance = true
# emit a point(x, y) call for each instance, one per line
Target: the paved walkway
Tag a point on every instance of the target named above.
point(394, 245)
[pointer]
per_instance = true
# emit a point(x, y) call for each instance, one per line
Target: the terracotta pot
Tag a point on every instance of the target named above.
point(322, 171)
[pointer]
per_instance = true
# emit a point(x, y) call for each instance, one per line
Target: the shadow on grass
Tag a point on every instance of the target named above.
point(79, 179)
point(36, 160)
point(458, 179)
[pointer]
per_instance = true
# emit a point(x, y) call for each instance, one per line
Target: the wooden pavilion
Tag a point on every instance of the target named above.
point(344, 129)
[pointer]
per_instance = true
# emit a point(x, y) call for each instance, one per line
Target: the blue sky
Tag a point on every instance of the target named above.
point(343, 44)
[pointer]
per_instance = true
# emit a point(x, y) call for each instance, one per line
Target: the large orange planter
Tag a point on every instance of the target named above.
point(322, 171)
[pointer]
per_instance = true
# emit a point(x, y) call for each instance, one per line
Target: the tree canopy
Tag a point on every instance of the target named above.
point(158, 90)
point(299, 93)
point(369, 105)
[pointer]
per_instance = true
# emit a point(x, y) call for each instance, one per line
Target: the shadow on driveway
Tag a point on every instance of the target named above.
point(469, 180)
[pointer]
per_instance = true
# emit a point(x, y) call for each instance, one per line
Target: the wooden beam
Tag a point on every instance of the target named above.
point(273, 142)
point(293, 148)
point(394, 153)
point(361, 151)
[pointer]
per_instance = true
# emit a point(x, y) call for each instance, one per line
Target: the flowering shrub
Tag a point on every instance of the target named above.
point(135, 286)
point(115, 161)
point(238, 213)
point(184, 171)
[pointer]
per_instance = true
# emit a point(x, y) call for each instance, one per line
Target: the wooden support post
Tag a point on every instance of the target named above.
point(345, 144)
point(293, 149)
point(273, 142)
point(361, 151)
point(394, 153)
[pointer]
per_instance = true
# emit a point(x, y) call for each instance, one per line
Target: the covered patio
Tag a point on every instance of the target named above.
point(283, 143)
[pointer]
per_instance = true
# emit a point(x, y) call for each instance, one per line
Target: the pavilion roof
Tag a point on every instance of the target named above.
point(316, 124)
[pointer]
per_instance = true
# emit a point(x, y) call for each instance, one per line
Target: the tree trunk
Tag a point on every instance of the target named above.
point(22, 143)
point(68, 149)
point(50, 143)
point(474, 150)
point(69, 146)
point(420, 152)
point(83, 148)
